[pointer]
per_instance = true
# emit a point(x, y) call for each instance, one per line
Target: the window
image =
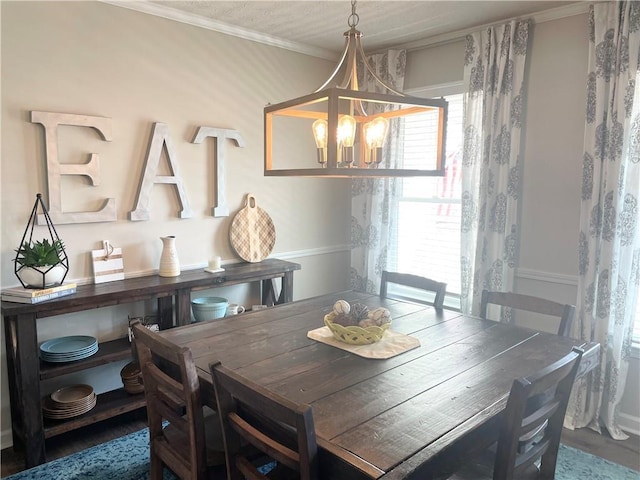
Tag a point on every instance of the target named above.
point(427, 237)
point(426, 240)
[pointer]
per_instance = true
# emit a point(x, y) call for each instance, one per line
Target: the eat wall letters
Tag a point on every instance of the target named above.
point(220, 134)
point(55, 169)
point(160, 139)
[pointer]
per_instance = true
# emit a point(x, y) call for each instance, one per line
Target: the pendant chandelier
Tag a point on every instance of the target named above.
point(341, 130)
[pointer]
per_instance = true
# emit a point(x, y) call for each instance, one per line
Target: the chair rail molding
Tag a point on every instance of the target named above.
point(549, 277)
point(313, 252)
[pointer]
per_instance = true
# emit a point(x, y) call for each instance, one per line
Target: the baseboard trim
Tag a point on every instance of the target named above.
point(6, 439)
point(629, 423)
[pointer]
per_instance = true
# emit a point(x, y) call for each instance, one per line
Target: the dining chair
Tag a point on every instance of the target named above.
point(565, 313)
point(414, 281)
point(252, 416)
point(191, 443)
point(525, 413)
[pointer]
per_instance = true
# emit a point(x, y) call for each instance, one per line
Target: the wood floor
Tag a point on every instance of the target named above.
point(625, 452)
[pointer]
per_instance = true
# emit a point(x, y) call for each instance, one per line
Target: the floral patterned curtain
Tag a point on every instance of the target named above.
point(372, 199)
point(609, 242)
point(493, 78)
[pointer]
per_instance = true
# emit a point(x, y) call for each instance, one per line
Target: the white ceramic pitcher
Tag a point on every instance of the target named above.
point(169, 263)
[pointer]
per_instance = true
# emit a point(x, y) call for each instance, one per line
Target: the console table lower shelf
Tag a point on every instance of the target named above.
point(109, 404)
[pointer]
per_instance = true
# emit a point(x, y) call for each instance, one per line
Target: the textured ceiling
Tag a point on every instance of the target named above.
point(383, 23)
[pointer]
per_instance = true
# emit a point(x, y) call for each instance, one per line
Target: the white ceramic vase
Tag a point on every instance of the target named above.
point(169, 263)
point(33, 277)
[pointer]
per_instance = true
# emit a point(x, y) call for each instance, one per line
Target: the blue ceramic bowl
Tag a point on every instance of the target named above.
point(208, 308)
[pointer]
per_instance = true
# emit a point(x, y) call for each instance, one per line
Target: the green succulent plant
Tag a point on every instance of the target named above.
point(40, 253)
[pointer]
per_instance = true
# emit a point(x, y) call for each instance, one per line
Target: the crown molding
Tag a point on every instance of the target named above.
point(571, 10)
point(169, 13)
point(437, 90)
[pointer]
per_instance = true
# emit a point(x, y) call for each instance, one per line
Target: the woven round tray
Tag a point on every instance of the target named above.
point(355, 335)
point(252, 233)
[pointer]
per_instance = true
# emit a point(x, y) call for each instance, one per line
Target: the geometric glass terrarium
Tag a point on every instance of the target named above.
point(42, 262)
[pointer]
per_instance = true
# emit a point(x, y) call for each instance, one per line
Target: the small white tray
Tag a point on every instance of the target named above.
point(214, 270)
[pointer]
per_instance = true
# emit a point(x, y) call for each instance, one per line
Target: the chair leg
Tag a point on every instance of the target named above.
point(155, 468)
point(548, 463)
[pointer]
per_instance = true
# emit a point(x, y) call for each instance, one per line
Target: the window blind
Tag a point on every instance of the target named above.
point(426, 235)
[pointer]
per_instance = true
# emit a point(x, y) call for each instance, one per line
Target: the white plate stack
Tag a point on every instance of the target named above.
point(68, 349)
point(69, 402)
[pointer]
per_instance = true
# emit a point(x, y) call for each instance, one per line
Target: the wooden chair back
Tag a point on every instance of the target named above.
point(521, 419)
point(171, 388)
point(414, 281)
point(243, 406)
point(565, 313)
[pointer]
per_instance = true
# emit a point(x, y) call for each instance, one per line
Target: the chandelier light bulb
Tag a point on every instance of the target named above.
point(375, 134)
point(319, 128)
point(346, 131)
point(378, 129)
point(346, 138)
point(320, 133)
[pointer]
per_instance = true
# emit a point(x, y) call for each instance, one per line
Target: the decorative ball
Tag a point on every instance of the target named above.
point(367, 322)
point(380, 316)
point(341, 306)
point(359, 311)
point(345, 320)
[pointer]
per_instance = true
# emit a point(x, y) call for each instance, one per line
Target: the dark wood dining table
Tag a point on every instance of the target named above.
point(413, 415)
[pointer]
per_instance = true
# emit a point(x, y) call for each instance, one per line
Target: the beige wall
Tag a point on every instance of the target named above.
point(553, 145)
point(435, 66)
point(97, 59)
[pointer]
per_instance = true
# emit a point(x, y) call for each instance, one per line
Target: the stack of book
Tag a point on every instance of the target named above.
point(36, 295)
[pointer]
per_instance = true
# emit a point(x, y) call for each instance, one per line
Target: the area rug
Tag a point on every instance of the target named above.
point(127, 458)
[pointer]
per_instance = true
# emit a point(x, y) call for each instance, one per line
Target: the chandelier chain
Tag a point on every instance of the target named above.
point(354, 18)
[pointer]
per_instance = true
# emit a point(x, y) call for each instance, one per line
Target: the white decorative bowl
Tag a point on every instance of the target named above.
point(33, 277)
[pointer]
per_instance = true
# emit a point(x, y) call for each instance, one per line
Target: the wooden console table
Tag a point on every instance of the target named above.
point(26, 370)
